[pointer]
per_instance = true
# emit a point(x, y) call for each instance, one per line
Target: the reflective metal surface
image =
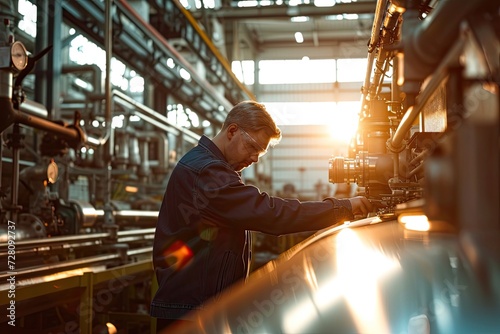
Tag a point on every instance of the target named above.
point(367, 277)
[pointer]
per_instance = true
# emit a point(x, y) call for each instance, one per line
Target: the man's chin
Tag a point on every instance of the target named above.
point(241, 167)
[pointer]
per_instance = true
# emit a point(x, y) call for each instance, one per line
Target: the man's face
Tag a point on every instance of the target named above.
point(248, 147)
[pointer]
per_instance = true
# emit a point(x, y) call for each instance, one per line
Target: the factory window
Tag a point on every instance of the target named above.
point(28, 23)
point(244, 71)
point(179, 115)
point(136, 83)
point(81, 47)
point(303, 71)
point(340, 117)
point(198, 4)
point(297, 71)
point(351, 70)
point(205, 4)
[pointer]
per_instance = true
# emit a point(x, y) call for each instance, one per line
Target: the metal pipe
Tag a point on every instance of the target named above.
point(94, 69)
point(10, 116)
point(109, 223)
point(226, 13)
point(16, 155)
point(57, 240)
point(31, 243)
point(435, 35)
point(419, 157)
point(108, 47)
point(416, 170)
point(43, 249)
point(155, 35)
point(1, 166)
point(395, 159)
point(441, 72)
point(138, 251)
point(136, 214)
point(137, 232)
point(162, 145)
point(34, 108)
point(154, 117)
point(77, 263)
point(379, 14)
point(394, 99)
point(64, 265)
point(6, 107)
point(215, 51)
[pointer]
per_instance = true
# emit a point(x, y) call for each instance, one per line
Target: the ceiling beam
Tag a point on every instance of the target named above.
point(266, 12)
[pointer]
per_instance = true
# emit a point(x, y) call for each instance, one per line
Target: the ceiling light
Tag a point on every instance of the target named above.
point(300, 19)
point(351, 16)
point(324, 3)
point(298, 37)
point(248, 3)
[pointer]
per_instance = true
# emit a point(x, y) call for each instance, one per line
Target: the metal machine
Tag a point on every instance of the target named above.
point(427, 153)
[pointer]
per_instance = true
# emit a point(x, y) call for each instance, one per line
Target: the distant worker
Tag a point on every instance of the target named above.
point(202, 244)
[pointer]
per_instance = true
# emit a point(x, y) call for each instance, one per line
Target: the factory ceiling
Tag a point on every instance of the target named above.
point(270, 29)
point(158, 38)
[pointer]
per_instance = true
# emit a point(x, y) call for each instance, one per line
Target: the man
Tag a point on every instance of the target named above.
point(201, 243)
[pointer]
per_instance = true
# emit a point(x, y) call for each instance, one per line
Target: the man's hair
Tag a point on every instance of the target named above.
point(253, 116)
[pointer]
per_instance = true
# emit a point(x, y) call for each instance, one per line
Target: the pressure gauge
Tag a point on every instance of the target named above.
point(18, 56)
point(52, 172)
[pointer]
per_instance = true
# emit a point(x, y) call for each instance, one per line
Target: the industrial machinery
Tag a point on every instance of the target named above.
point(425, 83)
point(427, 153)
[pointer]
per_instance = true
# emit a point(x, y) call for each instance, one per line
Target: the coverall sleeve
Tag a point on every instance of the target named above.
point(223, 199)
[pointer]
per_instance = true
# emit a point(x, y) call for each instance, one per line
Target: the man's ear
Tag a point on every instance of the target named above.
point(231, 131)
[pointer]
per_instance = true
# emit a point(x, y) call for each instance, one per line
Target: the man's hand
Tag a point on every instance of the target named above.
point(361, 206)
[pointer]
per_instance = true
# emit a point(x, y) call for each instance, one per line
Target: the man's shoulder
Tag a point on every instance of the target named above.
point(199, 157)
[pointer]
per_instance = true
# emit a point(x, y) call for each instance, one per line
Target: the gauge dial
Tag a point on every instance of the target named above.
point(52, 172)
point(19, 56)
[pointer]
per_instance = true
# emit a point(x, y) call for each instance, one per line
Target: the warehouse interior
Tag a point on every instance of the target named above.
point(395, 100)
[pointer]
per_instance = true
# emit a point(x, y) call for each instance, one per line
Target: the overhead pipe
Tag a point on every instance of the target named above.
point(155, 35)
point(377, 22)
point(284, 11)
point(207, 40)
point(430, 41)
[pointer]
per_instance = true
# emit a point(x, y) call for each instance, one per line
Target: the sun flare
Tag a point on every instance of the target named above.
point(343, 123)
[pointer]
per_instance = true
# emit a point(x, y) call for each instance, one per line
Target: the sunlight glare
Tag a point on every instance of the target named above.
point(300, 317)
point(343, 122)
point(415, 222)
point(360, 271)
